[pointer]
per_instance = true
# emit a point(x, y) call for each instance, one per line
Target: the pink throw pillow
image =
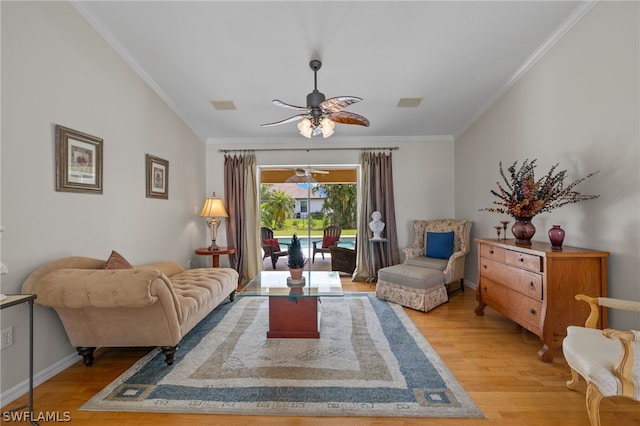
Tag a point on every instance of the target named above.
point(116, 261)
point(273, 242)
point(329, 241)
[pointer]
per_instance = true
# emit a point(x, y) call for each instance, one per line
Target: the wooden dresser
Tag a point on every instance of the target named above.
point(535, 286)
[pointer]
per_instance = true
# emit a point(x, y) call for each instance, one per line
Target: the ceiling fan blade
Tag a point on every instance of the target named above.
point(338, 103)
point(344, 117)
point(306, 171)
point(286, 120)
point(276, 102)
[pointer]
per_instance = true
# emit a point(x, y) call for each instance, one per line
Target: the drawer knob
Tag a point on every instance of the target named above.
point(491, 251)
point(532, 311)
point(484, 266)
point(532, 286)
point(520, 258)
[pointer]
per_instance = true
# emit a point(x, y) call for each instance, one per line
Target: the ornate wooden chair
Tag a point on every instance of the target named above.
point(331, 237)
point(271, 246)
point(608, 360)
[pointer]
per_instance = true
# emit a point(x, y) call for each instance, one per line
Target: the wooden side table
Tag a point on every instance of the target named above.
point(373, 269)
point(215, 254)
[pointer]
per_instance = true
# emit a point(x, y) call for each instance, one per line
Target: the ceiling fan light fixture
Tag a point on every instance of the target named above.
point(327, 127)
point(305, 128)
point(321, 114)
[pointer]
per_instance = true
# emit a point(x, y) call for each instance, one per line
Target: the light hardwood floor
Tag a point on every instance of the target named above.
point(493, 358)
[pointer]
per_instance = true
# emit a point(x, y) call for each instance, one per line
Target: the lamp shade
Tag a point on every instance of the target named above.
point(213, 207)
point(327, 127)
point(305, 128)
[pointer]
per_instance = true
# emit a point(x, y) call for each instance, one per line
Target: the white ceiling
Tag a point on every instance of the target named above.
point(459, 56)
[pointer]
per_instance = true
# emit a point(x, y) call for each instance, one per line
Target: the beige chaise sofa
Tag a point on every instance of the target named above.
point(151, 305)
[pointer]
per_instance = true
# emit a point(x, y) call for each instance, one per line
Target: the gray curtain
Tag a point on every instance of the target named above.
point(241, 199)
point(377, 195)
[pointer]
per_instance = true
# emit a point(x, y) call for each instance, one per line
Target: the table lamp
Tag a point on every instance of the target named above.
point(213, 209)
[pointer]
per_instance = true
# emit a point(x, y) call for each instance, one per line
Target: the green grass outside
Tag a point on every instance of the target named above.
point(299, 226)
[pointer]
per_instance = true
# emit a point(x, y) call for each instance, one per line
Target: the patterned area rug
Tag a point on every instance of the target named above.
point(370, 361)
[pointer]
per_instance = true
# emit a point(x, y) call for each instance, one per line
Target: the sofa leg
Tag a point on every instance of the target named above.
point(232, 296)
point(87, 355)
point(169, 353)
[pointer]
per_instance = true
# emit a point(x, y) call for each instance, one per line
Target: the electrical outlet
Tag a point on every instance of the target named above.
point(189, 264)
point(7, 337)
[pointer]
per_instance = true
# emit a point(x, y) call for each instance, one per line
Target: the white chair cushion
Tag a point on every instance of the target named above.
point(594, 356)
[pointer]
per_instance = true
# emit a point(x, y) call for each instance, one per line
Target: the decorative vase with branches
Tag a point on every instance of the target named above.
point(522, 196)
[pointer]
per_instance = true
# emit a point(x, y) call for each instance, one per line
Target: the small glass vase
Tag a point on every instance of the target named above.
point(556, 237)
point(523, 230)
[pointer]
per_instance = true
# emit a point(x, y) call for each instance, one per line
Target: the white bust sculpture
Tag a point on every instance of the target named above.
point(376, 225)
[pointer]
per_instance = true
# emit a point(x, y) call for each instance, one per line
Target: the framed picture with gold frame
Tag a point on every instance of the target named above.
point(78, 161)
point(157, 177)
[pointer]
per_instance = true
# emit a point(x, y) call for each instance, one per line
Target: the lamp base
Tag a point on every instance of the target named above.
point(213, 246)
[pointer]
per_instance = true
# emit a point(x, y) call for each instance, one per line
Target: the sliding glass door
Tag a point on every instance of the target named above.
point(306, 201)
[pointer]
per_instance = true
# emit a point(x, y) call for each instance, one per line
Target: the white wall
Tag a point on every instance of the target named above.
point(422, 170)
point(578, 106)
point(57, 70)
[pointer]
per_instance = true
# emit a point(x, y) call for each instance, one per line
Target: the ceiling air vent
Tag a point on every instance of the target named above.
point(409, 102)
point(224, 105)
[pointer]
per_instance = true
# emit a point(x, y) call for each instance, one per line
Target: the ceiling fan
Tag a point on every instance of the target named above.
point(305, 175)
point(320, 114)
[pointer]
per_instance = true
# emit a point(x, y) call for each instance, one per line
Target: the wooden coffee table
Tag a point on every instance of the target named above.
point(294, 311)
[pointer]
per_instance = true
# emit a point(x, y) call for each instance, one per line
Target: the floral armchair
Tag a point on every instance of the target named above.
point(453, 267)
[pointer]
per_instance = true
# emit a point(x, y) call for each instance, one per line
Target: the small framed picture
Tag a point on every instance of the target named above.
point(157, 177)
point(78, 161)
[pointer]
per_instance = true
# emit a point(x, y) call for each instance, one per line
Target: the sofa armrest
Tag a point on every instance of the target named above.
point(124, 288)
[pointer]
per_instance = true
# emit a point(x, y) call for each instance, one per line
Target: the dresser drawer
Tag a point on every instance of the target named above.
point(527, 261)
point(491, 252)
point(516, 279)
point(516, 306)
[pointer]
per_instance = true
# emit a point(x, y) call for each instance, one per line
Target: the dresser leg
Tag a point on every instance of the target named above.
point(545, 354)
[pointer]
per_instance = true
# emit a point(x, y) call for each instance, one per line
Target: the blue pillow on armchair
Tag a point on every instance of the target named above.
point(439, 245)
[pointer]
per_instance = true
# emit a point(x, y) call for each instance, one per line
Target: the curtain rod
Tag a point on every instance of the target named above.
point(382, 148)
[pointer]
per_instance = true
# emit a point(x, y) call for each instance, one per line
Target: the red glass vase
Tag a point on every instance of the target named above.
point(523, 230)
point(556, 236)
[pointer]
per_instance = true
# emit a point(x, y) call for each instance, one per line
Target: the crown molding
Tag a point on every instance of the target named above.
point(557, 35)
point(99, 26)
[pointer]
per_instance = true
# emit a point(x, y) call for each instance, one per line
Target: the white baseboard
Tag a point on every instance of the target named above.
point(470, 284)
point(22, 388)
